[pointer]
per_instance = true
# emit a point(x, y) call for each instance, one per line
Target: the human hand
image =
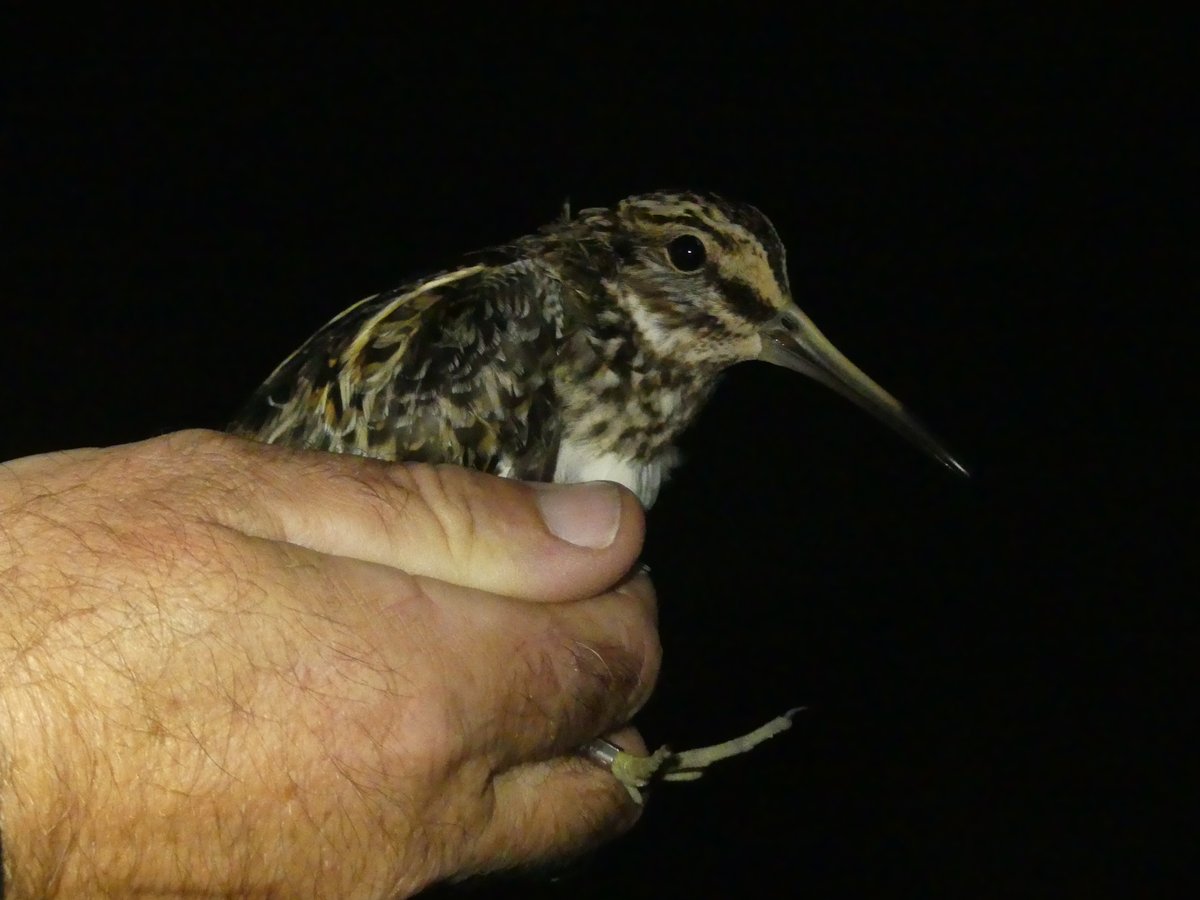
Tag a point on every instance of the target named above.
point(231, 668)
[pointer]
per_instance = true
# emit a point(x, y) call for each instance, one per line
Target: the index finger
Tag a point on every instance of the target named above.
point(567, 672)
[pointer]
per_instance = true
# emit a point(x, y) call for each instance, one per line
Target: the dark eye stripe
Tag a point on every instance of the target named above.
point(745, 300)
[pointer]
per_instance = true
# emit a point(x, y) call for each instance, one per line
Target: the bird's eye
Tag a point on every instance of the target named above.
point(686, 253)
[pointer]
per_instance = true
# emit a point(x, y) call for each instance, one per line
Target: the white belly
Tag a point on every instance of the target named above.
point(580, 463)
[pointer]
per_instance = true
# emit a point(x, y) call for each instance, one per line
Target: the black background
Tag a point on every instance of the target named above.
point(984, 212)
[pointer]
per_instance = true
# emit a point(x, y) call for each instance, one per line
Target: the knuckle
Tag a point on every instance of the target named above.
point(591, 683)
point(199, 442)
point(429, 735)
point(194, 466)
point(443, 509)
point(641, 633)
point(652, 657)
point(608, 675)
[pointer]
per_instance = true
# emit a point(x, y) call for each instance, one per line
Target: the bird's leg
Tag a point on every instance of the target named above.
point(636, 772)
point(688, 765)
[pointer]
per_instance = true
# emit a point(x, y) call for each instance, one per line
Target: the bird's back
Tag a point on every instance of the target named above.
point(455, 368)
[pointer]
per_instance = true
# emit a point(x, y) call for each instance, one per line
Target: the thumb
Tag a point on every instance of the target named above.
point(529, 541)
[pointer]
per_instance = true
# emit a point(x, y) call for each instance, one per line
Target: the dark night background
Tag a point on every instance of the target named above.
point(984, 213)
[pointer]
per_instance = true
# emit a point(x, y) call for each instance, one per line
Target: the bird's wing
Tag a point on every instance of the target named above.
point(456, 369)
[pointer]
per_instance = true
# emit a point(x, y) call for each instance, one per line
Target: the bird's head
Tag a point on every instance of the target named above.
point(705, 282)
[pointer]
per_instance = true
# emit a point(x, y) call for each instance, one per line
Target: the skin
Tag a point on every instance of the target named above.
point(233, 669)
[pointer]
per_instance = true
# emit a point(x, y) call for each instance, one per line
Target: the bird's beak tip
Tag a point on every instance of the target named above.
point(956, 467)
point(795, 343)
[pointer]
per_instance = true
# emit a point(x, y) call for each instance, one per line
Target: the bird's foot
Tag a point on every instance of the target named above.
point(636, 772)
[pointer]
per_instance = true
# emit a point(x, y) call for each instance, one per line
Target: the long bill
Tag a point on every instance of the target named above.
point(794, 342)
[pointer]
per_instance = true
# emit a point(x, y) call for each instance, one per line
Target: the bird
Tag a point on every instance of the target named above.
point(579, 352)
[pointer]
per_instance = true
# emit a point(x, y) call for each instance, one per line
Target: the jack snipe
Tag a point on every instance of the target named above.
point(577, 353)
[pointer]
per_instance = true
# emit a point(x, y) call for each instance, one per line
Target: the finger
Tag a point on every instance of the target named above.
point(537, 542)
point(493, 679)
point(555, 809)
point(538, 680)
